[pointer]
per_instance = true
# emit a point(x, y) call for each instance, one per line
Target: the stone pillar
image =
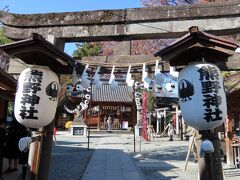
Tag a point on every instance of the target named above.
point(59, 43)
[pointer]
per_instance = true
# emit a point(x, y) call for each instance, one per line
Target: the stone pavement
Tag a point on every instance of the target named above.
point(111, 161)
point(111, 156)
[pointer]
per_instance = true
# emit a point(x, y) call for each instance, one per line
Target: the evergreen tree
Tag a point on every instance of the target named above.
point(86, 49)
point(3, 39)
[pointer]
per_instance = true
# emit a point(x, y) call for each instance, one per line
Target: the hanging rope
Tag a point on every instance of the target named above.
point(118, 65)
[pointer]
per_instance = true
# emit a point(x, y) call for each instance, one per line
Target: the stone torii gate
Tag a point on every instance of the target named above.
point(127, 24)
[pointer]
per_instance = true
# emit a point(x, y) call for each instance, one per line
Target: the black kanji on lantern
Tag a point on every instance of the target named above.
point(208, 73)
point(210, 88)
point(28, 113)
point(212, 100)
point(31, 85)
point(210, 115)
point(30, 99)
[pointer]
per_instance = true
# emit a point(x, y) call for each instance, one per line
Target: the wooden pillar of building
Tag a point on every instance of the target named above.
point(121, 116)
point(158, 122)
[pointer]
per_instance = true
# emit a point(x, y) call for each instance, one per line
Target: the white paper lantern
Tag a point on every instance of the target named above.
point(150, 87)
point(87, 96)
point(201, 96)
point(142, 86)
point(170, 87)
point(69, 88)
point(158, 88)
point(79, 87)
point(137, 100)
point(138, 106)
point(88, 89)
point(138, 94)
point(84, 106)
point(86, 102)
point(137, 85)
point(36, 97)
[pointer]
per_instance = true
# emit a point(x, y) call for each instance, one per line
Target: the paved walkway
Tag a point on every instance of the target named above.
point(111, 157)
point(111, 161)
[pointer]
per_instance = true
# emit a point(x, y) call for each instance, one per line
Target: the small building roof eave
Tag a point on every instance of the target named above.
point(8, 86)
point(7, 80)
point(195, 45)
point(38, 51)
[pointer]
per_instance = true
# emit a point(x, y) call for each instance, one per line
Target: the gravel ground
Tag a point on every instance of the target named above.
point(161, 159)
point(70, 157)
point(164, 160)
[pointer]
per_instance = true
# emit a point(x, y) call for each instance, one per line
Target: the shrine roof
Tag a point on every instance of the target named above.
point(122, 94)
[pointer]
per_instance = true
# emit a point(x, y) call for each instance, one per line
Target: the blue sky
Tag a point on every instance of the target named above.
point(46, 6)
point(43, 6)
